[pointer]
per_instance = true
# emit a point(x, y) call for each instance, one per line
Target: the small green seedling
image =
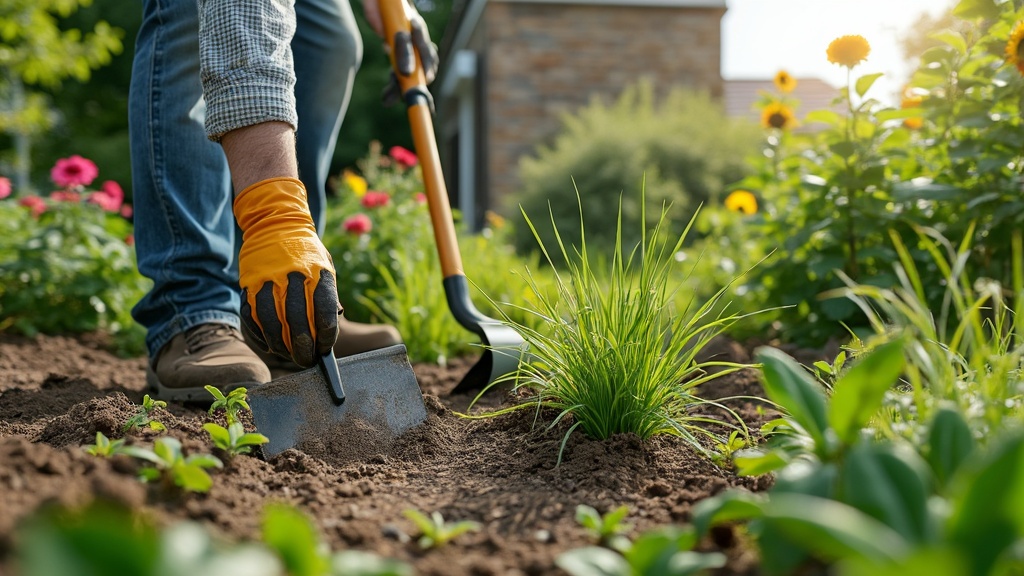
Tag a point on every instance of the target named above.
point(667, 550)
point(143, 417)
point(105, 447)
point(233, 403)
point(171, 465)
point(233, 439)
point(725, 450)
point(609, 530)
point(434, 531)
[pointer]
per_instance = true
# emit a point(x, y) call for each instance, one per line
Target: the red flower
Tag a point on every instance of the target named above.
point(420, 198)
point(373, 199)
point(34, 203)
point(403, 156)
point(65, 196)
point(126, 211)
point(358, 224)
point(5, 187)
point(130, 239)
point(73, 171)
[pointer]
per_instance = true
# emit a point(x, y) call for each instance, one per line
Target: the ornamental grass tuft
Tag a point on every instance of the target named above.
point(615, 354)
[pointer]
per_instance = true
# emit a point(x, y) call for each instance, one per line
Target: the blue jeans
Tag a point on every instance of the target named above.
point(185, 232)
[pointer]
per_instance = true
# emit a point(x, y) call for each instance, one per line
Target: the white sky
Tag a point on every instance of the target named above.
point(760, 37)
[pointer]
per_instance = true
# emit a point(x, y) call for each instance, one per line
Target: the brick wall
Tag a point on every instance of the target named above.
point(545, 59)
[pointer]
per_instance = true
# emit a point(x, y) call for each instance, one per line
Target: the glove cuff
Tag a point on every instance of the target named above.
point(271, 198)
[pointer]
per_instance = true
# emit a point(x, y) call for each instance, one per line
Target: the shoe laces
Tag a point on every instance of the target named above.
point(208, 334)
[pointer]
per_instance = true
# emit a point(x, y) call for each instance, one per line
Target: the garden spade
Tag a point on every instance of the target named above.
point(374, 393)
point(503, 346)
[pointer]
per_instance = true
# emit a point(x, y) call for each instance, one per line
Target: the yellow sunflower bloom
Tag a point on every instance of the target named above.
point(778, 115)
point(784, 82)
point(354, 182)
point(912, 101)
point(741, 201)
point(848, 50)
point(1015, 47)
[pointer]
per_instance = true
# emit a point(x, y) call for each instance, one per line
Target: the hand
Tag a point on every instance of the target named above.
point(289, 293)
point(407, 45)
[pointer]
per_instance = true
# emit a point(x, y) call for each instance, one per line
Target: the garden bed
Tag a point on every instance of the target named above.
point(56, 393)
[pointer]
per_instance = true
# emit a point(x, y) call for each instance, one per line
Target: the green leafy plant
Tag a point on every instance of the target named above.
point(174, 468)
point(105, 447)
point(617, 355)
point(234, 440)
point(144, 415)
point(435, 531)
point(609, 529)
point(232, 403)
point(662, 552)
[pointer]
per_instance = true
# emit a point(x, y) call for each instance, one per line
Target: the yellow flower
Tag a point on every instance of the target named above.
point(354, 182)
point(778, 115)
point(848, 50)
point(494, 220)
point(784, 82)
point(911, 100)
point(741, 201)
point(1015, 47)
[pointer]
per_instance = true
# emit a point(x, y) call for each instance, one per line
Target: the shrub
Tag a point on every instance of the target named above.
point(67, 263)
point(682, 148)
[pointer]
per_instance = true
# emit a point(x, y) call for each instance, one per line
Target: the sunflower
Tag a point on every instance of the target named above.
point(911, 100)
point(778, 115)
point(741, 201)
point(848, 50)
point(1015, 47)
point(784, 82)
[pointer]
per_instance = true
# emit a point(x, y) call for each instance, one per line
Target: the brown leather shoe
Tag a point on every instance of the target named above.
point(353, 338)
point(212, 353)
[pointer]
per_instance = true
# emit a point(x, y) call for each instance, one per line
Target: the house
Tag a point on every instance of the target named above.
point(511, 68)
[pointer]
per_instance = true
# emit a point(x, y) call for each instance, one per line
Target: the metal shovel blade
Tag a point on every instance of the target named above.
point(380, 391)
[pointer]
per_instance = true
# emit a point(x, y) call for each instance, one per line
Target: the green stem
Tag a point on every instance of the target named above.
point(852, 269)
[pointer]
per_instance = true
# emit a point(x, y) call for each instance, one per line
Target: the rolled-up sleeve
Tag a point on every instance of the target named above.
point(246, 63)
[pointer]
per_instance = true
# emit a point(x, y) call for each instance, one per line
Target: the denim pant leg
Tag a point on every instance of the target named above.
point(327, 51)
point(184, 227)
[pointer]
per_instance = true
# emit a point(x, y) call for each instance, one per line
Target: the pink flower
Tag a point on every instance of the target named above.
point(127, 211)
point(403, 156)
point(34, 203)
point(420, 198)
point(109, 198)
point(65, 196)
point(73, 171)
point(373, 199)
point(5, 187)
point(358, 224)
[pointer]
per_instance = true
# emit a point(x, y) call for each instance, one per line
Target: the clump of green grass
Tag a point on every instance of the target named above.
point(616, 354)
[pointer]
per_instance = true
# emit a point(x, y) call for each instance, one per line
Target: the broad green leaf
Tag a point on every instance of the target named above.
point(755, 462)
point(898, 114)
point(949, 444)
point(858, 393)
point(218, 434)
point(968, 9)
point(204, 461)
point(725, 507)
point(930, 561)
point(951, 37)
point(653, 550)
point(891, 483)
point(167, 449)
point(296, 541)
point(787, 384)
point(687, 563)
point(829, 117)
point(865, 82)
point(252, 439)
point(843, 148)
point(831, 530)
point(808, 477)
point(988, 497)
point(593, 561)
point(192, 478)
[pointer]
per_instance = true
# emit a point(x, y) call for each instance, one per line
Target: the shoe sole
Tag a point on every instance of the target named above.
point(194, 394)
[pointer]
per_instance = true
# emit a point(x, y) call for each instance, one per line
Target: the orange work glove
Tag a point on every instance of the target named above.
point(289, 293)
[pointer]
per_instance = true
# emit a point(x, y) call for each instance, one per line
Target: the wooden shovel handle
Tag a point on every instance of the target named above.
point(414, 92)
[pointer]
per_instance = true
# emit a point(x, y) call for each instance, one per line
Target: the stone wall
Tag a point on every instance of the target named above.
point(545, 59)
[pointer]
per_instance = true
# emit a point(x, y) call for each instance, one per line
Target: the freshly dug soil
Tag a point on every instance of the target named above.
point(57, 392)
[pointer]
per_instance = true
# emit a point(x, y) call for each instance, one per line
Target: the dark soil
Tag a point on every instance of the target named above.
point(56, 393)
